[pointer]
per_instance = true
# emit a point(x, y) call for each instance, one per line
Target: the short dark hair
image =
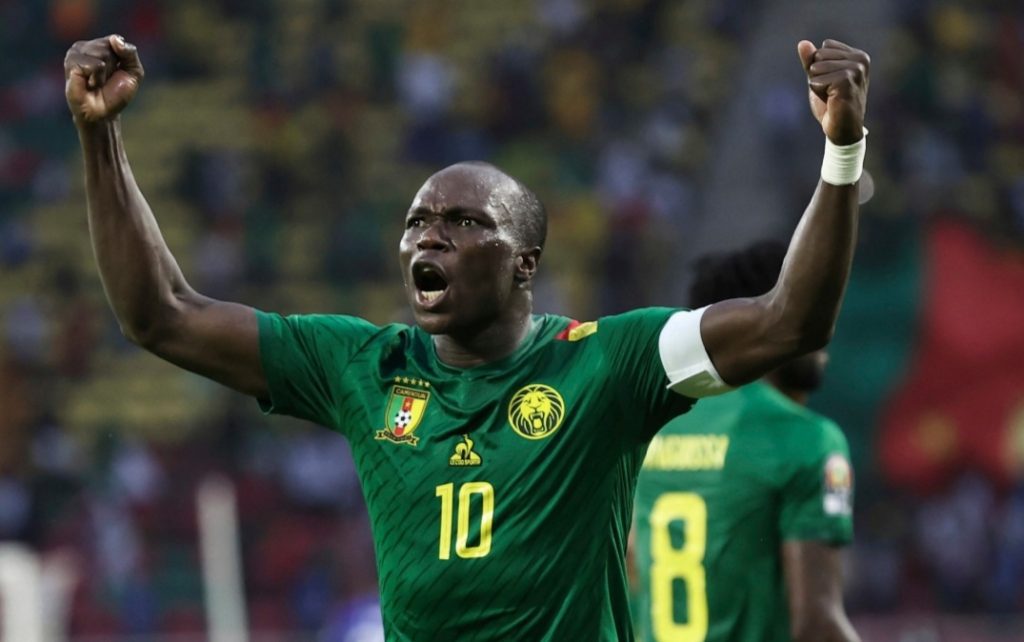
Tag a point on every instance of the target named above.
point(749, 272)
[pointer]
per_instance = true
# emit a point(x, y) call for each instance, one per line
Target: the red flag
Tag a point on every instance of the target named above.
point(961, 405)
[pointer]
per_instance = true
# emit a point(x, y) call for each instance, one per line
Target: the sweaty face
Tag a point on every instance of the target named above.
point(458, 252)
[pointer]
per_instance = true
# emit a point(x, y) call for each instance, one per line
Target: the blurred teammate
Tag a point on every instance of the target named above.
point(744, 503)
point(497, 450)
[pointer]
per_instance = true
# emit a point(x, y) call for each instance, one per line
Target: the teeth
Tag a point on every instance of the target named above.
point(432, 294)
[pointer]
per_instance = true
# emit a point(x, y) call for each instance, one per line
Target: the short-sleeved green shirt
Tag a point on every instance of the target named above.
point(720, 489)
point(499, 496)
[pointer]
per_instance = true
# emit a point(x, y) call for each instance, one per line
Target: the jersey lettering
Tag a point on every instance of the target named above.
point(687, 452)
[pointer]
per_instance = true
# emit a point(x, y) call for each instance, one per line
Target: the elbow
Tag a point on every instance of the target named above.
point(802, 628)
point(799, 329)
point(808, 633)
point(815, 338)
point(146, 335)
point(802, 636)
point(797, 341)
point(810, 334)
point(823, 629)
point(152, 329)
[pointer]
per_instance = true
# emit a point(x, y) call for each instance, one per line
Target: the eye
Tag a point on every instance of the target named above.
point(413, 221)
point(465, 221)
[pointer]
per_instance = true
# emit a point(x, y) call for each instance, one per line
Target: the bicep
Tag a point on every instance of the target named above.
point(215, 339)
point(743, 339)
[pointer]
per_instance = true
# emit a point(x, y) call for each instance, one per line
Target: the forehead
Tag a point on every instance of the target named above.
point(468, 187)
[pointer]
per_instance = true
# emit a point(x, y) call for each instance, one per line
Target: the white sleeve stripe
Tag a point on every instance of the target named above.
point(685, 359)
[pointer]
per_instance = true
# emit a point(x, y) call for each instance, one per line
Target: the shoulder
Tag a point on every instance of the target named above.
point(818, 430)
point(635, 325)
point(809, 440)
point(649, 316)
point(796, 431)
point(326, 330)
point(829, 430)
point(638, 323)
point(327, 322)
point(771, 406)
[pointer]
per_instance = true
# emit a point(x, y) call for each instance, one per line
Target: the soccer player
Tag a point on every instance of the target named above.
point(497, 449)
point(744, 502)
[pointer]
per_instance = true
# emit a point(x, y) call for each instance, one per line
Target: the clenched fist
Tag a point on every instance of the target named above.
point(101, 77)
point(837, 87)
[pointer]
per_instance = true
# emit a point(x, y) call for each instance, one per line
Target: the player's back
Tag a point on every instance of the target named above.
point(720, 489)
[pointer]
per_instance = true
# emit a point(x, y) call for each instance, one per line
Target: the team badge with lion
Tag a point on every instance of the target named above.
point(536, 411)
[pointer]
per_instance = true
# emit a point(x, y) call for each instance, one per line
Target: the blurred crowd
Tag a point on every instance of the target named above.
point(940, 517)
point(279, 144)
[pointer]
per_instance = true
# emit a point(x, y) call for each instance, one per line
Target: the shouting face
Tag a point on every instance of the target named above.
point(468, 248)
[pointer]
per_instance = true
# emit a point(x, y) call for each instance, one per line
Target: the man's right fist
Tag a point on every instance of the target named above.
point(101, 77)
point(837, 88)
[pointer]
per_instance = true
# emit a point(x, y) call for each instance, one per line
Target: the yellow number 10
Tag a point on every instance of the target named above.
point(685, 563)
point(466, 491)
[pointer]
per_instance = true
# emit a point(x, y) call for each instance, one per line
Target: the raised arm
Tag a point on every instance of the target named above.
point(746, 338)
point(814, 588)
point(155, 306)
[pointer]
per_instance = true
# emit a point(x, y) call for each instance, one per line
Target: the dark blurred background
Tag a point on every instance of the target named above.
point(280, 143)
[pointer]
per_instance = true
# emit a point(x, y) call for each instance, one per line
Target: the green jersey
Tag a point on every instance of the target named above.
point(719, 491)
point(500, 496)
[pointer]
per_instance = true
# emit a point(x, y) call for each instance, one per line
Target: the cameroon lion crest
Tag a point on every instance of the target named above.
point(536, 411)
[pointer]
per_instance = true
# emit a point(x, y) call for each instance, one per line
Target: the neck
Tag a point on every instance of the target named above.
point(799, 396)
point(496, 341)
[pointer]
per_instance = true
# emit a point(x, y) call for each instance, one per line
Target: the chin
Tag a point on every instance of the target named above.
point(432, 323)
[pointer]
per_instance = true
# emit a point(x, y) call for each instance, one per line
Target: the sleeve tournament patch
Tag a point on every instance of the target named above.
point(838, 497)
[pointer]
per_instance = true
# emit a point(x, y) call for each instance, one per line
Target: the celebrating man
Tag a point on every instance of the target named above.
point(498, 450)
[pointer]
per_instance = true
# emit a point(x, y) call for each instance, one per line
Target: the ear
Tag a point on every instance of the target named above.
point(526, 266)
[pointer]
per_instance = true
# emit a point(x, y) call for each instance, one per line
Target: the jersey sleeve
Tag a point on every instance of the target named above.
point(630, 343)
point(304, 359)
point(817, 499)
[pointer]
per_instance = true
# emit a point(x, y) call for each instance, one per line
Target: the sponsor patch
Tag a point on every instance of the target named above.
point(464, 454)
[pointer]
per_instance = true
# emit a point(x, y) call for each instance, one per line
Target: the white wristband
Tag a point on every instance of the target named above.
point(843, 164)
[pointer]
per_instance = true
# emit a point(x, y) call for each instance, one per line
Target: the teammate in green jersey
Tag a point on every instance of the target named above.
point(497, 450)
point(743, 504)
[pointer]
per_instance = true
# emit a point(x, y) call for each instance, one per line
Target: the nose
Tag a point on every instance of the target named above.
point(432, 237)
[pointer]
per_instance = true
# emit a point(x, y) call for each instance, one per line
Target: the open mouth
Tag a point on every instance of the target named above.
point(430, 283)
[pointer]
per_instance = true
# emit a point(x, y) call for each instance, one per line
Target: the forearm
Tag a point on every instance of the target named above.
point(810, 290)
point(141, 279)
point(151, 299)
point(747, 338)
point(814, 592)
